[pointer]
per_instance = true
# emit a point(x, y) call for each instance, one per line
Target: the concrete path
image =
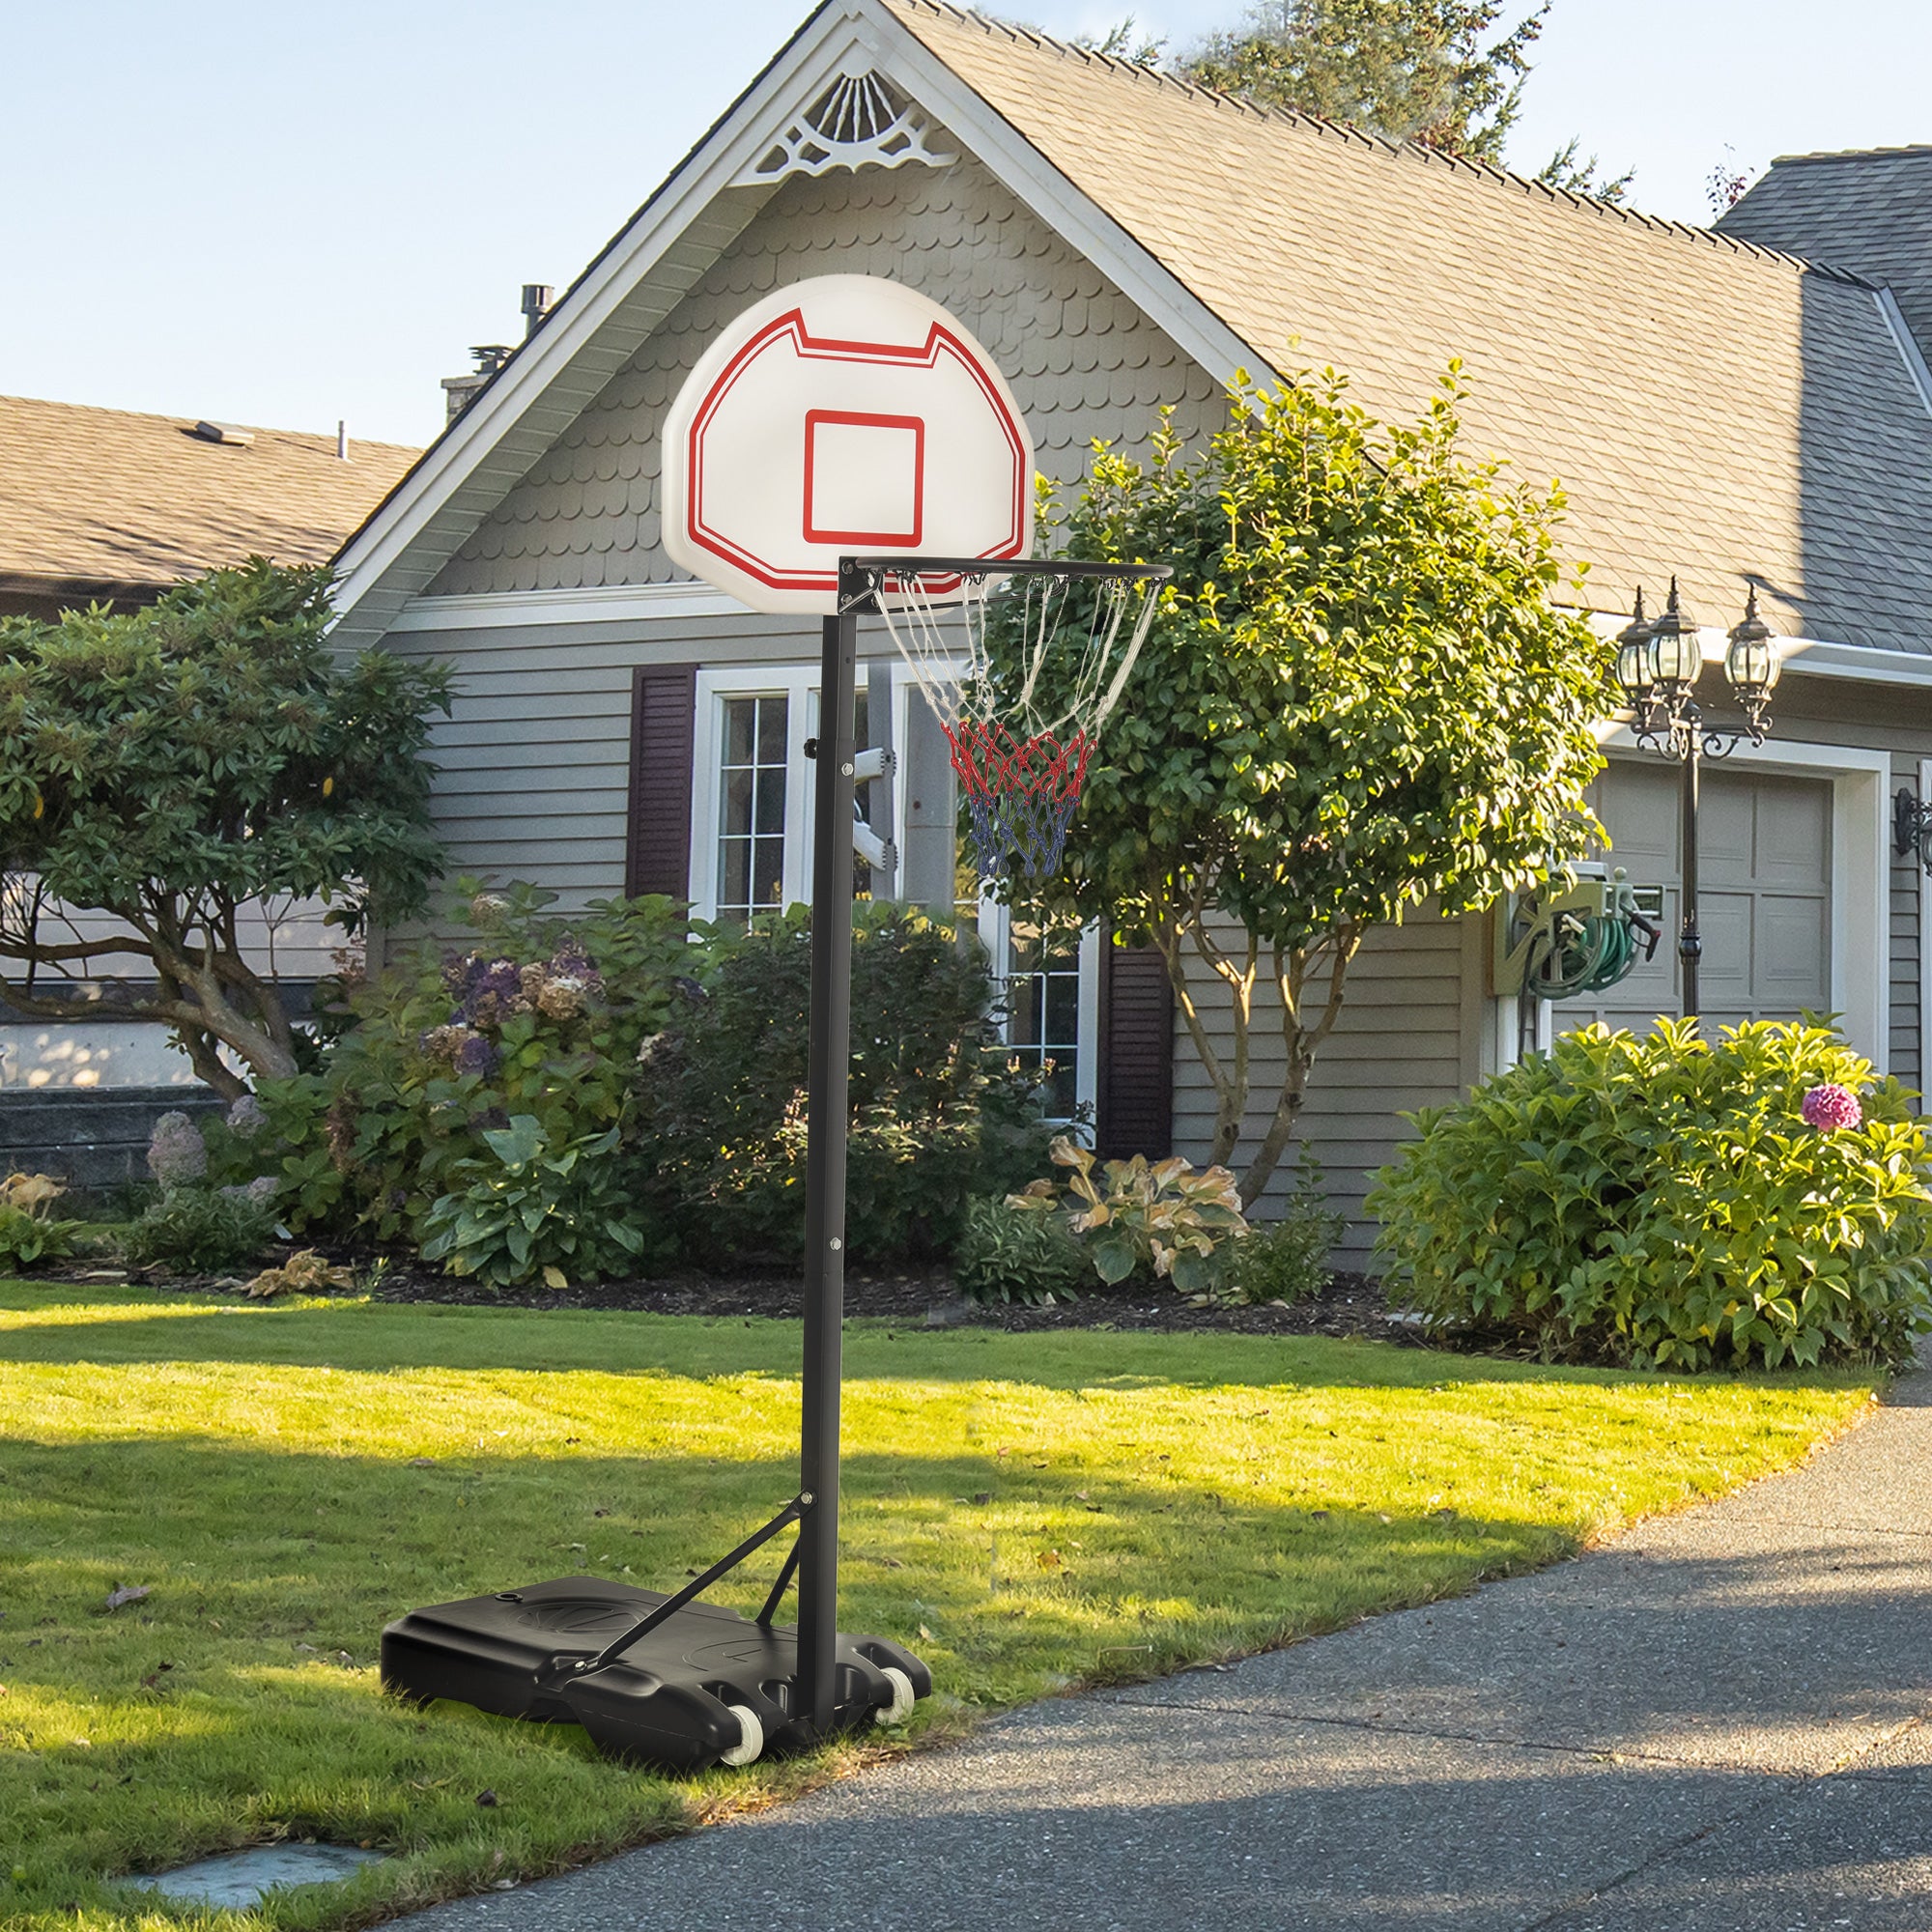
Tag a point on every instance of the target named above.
point(1719, 1724)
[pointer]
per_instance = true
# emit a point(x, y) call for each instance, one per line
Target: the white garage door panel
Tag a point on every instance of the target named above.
point(1765, 904)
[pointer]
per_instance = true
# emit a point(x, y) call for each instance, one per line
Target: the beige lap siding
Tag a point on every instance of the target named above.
point(1408, 1038)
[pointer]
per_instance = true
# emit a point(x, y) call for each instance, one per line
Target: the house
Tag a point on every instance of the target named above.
point(112, 506)
point(1748, 407)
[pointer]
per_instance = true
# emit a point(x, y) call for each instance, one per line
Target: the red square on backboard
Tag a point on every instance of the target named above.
point(864, 479)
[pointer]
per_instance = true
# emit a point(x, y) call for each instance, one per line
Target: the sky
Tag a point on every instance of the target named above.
point(294, 216)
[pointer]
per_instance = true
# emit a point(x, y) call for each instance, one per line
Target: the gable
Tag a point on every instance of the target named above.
point(1083, 359)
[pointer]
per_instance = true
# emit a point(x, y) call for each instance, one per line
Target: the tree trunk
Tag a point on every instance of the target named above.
point(206, 992)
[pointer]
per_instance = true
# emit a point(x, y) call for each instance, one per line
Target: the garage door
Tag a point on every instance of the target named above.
point(1765, 852)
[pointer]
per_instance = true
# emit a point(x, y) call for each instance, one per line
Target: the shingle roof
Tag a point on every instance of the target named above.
point(1713, 408)
point(104, 502)
point(1870, 210)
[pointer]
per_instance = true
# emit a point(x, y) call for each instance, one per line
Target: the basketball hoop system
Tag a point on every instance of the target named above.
point(1020, 661)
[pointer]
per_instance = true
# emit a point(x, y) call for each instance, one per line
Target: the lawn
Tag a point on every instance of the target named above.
point(1029, 1512)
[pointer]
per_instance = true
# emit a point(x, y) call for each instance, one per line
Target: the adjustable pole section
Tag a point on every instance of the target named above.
point(826, 1113)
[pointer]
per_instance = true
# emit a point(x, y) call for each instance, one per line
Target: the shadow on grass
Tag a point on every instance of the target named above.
point(82, 1324)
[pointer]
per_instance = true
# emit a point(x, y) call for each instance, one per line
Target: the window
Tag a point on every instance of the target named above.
point(1043, 1005)
point(751, 783)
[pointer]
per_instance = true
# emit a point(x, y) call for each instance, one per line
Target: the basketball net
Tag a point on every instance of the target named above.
point(1021, 666)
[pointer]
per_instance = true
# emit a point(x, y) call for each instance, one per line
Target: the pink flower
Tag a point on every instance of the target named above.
point(1831, 1106)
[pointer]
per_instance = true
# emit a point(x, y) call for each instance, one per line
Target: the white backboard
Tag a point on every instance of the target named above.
point(841, 416)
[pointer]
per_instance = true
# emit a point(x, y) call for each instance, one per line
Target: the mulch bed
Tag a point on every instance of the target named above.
point(1353, 1304)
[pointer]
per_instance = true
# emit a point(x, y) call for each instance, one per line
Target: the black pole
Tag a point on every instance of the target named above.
point(828, 1081)
point(1689, 943)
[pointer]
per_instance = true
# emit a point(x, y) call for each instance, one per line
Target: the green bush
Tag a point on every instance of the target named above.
point(28, 1233)
point(1286, 1259)
point(940, 1112)
point(1010, 1254)
point(1143, 1218)
point(1663, 1201)
point(528, 1209)
point(544, 1017)
point(201, 1230)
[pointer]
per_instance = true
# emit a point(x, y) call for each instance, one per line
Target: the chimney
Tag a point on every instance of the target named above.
point(460, 391)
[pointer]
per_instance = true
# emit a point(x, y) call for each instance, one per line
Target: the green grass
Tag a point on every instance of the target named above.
point(1152, 1499)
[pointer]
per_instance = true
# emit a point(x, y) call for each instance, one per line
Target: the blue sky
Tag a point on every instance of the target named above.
point(286, 216)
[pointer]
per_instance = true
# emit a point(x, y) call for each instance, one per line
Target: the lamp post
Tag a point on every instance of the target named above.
point(1658, 662)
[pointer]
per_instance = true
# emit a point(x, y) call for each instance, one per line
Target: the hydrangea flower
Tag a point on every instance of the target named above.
point(246, 1117)
point(477, 1055)
point(1831, 1106)
point(176, 1153)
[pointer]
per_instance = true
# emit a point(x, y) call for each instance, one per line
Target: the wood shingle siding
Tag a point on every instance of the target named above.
point(663, 701)
point(1134, 1074)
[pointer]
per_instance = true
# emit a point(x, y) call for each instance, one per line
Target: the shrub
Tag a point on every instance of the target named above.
point(28, 1233)
point(1010, 1253)
point(528, 1209)
point(1286, 1259)
point(940, 1111)
point(544, 1018)
point(1137, 1217)
point(304, 1272)
point(201, 1229)
point(1665, 1200)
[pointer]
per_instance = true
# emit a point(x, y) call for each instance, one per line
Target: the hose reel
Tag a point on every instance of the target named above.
point(1561, 942)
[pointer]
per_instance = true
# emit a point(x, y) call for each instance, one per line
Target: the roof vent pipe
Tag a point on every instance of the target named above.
point(341, 441)
point(537, 299)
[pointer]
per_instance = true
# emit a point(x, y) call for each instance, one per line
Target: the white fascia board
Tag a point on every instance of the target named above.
point(810, 64)
point(1808, 657)
point(629, 604)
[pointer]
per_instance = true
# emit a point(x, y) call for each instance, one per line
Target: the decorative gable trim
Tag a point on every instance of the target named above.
point(859, 122)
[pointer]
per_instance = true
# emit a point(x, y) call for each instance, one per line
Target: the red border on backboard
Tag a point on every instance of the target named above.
point(940, 341)
point(866, 539)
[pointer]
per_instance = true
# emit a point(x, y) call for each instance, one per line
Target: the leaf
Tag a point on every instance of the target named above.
point(555, 1277)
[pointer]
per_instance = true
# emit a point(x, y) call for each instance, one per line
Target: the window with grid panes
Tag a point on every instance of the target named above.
point(1042, 1000)
point(751, 816)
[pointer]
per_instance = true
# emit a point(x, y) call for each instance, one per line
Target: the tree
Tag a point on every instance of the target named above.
point(175, 766)
point(1574, 177)
point(1358, 694)
point(1429, 71)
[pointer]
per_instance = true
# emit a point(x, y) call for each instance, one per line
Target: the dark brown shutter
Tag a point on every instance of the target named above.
point(1134, 1090)
point(664, 718)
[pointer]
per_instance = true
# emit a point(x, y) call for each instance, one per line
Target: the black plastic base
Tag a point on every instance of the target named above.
point(666, 1700)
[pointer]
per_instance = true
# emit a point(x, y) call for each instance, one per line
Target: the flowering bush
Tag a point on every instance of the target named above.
point(546, 1019)
point(1673, 1201)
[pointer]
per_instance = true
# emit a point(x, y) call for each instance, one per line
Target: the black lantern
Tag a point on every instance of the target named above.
point(1658, 663)
point(1676, 650)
